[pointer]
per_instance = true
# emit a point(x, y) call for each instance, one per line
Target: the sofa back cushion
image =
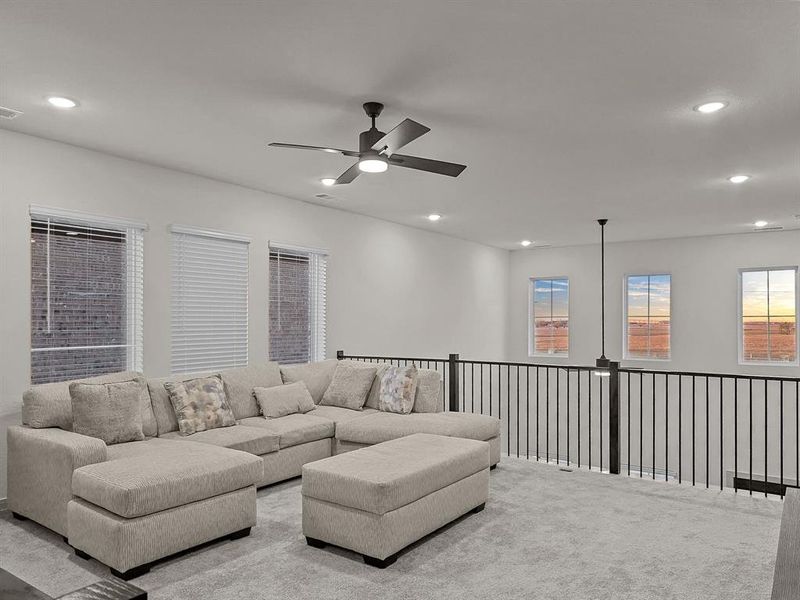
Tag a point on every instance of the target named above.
point(429, 392)
point(316, 375)
point(240, 383)
point(50, 405)
point(108, 411)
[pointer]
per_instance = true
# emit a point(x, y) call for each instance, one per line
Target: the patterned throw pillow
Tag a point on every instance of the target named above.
point(200, 404)
point(398, 387)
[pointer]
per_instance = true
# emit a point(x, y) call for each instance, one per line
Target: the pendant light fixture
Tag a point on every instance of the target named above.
point(603, 364)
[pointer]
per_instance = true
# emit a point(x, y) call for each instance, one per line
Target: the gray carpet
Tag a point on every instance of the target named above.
point(544, 534)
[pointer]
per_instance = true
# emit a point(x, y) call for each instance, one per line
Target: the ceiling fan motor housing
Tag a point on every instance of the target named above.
point(366, 139)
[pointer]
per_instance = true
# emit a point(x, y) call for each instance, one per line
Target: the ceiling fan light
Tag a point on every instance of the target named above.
point(373, 165)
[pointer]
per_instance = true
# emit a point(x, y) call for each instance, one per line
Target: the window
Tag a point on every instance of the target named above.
point(209, 300)
point(297, 303)
point(768, 310)
point(86, 295)
point(647, 317)
point(549, 331)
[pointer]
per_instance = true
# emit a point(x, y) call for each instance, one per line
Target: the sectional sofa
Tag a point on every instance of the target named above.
point(131, 504)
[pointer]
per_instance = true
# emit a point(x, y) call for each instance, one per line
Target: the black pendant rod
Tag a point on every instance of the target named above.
point(603, 285)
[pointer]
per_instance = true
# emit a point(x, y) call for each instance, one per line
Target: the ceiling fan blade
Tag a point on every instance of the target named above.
point(318, 148)
point(427, 164)
point(349, 175)
point(398, 137)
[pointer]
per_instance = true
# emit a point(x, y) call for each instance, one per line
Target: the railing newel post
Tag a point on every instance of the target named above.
point(452, 401)
point(613, 419)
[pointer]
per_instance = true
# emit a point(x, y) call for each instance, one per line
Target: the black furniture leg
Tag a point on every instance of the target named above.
point(242, 533)
point(19, 517)
point(479, 508)
point(377, 562)
point(81, 554)
point(315, 543)
point(132, 573)
point(493, 467)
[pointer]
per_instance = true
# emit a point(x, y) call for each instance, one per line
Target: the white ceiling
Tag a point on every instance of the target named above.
point(564, 111)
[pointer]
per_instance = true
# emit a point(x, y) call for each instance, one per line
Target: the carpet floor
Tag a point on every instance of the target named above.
point(545, 534)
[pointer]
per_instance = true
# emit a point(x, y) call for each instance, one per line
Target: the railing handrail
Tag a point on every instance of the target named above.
point(621, 369)
point(707, 374)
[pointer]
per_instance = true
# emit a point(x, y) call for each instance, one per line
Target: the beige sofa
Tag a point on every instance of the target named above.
point(131, 504)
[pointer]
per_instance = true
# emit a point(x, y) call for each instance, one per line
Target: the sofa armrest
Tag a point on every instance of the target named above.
point(40, 466)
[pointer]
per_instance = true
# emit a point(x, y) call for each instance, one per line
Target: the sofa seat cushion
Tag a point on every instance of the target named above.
point(388, 476)
point(340, 415)
point(254, 440)
point(176, 474)
point(294, 429)
point(382, 426)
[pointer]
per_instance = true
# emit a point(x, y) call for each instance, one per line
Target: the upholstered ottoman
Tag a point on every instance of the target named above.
point(378, 500)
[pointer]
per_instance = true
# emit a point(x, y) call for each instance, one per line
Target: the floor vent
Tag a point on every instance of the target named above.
point(9, 113)
point(324, 197)
point(766, 229)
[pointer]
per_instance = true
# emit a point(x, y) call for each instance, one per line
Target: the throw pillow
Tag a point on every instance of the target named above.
point(398, 388)
point(281, 400)
point(200, 404)
point(349, 387)
point(109, 411)
point(374, 396)
point(429, 392)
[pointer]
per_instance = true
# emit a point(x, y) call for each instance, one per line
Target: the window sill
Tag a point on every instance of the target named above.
point(755, 363)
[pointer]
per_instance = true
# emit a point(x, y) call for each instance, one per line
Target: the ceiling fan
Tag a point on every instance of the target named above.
point(377, 150)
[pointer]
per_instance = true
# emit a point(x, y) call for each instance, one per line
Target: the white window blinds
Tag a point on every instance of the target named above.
point(209, 300)
point(298, 279)
point(86, 295)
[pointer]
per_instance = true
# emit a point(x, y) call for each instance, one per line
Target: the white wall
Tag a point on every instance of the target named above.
point(392, 289)
point(704, 296)
point(704, 338)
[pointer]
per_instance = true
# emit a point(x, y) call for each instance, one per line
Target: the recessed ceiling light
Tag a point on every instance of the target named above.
point(62, 102)
point(327, 181)
point(710, 107)
point(526, 243)
point(760, 223)
point(329, 150)
point(434, 217)
point(738, 178)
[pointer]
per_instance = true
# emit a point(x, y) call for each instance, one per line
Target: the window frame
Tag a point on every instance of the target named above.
point(133, 232)
point(318, 262)
point(532, 319)
point(625, 355)
point(740, 317)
